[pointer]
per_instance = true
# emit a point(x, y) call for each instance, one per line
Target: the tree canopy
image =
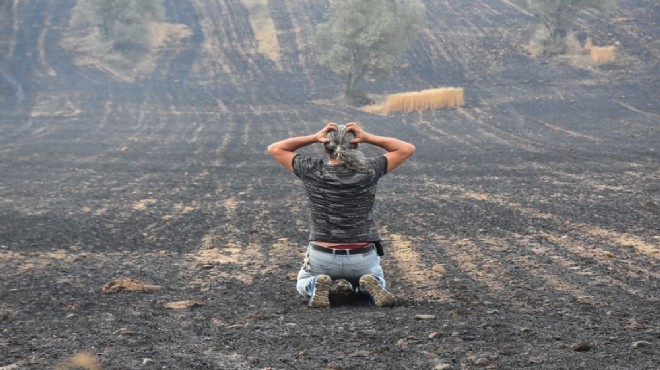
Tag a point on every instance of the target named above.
point(363, 36)
point(124, 24)
point(557, 18)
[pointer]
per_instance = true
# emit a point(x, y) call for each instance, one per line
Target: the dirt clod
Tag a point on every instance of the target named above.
point(581, 347)
point(641, 344)
point(181, 305)
point(442, 367)
point(128, 285)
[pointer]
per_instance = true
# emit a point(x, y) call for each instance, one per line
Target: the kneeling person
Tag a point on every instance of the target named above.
point(341, 194)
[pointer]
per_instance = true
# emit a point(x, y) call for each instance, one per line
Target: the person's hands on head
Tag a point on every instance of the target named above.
point(360, 135)
point(321, 135)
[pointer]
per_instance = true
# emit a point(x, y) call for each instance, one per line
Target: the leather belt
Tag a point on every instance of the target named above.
point(344, 252)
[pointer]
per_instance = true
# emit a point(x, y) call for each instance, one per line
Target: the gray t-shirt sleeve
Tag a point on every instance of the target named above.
point(379, 165)
point(303, 164)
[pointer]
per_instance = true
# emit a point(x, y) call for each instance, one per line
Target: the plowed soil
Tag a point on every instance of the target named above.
point(523, 233)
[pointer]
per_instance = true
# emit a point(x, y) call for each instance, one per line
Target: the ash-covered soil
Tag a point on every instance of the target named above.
point(522, 234)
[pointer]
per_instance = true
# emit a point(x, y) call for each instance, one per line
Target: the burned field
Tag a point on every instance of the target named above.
point(523, 233)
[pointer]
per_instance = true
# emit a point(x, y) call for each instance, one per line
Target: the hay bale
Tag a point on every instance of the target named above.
point(602, 54)
point(414, 101)
point(425, 100)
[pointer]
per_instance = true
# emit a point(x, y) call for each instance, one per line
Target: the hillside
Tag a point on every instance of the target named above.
point(523, 232)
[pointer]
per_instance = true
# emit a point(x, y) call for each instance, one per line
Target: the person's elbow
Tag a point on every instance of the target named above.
point(409, 149)
point(273, 149)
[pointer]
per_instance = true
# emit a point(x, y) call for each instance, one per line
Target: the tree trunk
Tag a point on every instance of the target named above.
point(350, 85)
point(352, 94)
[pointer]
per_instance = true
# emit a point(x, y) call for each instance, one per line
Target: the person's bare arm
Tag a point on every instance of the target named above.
point(398, 151)
point(284, 151)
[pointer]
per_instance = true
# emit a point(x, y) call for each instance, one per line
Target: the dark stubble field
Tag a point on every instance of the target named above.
point(522, 234)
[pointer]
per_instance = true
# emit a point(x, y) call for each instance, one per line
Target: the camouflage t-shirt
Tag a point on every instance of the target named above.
point(340, 199)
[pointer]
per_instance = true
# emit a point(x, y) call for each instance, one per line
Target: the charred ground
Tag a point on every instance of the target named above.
point(526, 224)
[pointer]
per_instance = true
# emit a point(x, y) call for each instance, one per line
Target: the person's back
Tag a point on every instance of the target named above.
point(341, 196)
point(340, 199)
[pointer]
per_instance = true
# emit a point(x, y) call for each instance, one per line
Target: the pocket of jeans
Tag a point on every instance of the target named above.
point(368, 266)
point(319, 268)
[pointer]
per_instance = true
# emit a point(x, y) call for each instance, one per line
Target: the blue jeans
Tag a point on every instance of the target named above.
point(349, 267)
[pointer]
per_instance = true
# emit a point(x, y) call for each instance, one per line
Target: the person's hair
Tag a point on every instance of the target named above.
point(339, 147)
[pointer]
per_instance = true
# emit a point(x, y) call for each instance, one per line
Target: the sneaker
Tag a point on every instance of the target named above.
point(320, 291)
point(377, 294)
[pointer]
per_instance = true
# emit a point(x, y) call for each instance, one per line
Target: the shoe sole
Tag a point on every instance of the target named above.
point(380, 295)
point(321, 295)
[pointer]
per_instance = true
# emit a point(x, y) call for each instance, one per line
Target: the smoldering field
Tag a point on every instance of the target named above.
point(523, 233)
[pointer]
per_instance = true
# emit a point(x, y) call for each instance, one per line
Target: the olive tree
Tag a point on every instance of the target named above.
point(123, 24)
point(363, 36)
point(557, 18)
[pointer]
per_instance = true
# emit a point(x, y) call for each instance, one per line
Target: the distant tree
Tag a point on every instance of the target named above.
point(123, 24)
point(365, 36)
point(557, 19)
